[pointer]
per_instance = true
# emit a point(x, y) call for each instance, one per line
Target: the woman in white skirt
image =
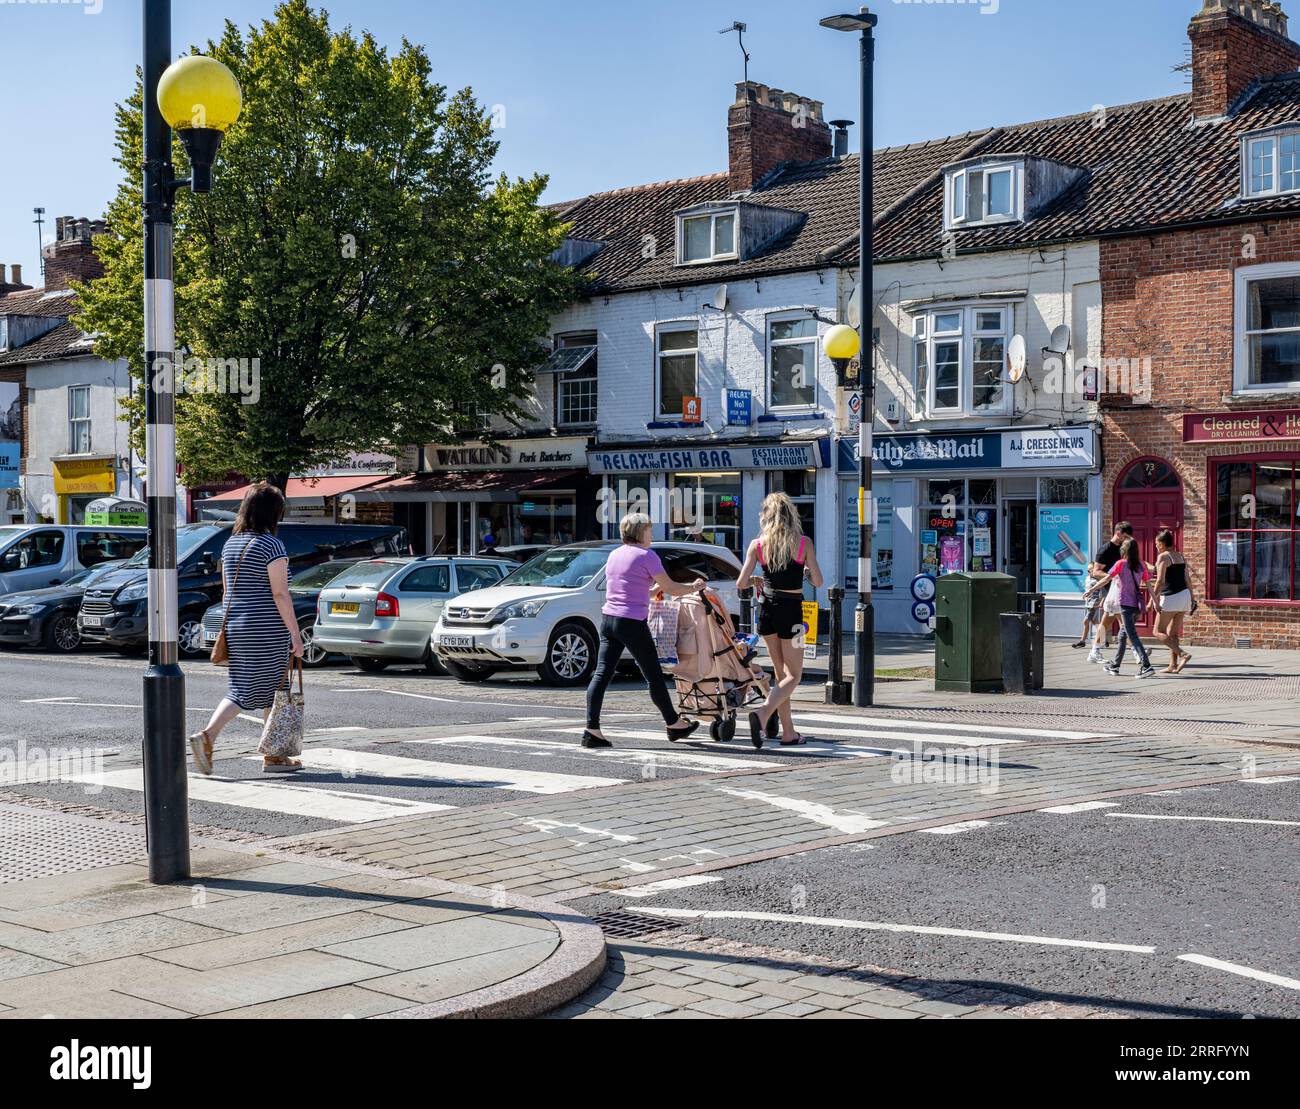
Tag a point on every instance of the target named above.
point(1171, 601)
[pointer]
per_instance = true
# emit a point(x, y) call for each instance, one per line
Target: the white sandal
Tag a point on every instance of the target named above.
point(201, 748)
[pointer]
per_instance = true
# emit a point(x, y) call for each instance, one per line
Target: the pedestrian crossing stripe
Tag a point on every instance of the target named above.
point(979, 729)
point(674, 759)
point(811, 749)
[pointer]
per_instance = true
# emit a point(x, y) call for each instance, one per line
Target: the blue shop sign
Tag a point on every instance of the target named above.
point(739, 406)
point(9, 457)
point(904, 453)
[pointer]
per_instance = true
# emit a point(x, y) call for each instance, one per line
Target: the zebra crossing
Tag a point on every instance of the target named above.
point(348, 785)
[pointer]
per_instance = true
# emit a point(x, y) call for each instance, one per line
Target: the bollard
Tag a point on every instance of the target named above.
point(838, 691)
point(1017, 678)
point(1035, 605)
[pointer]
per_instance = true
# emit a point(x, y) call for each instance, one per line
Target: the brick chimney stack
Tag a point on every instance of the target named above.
point(766, 127)
point(72, 254)
point(1235, 42)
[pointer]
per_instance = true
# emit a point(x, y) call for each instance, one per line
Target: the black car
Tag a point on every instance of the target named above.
point(115, 609)
point(48, 617)
point(303, 590)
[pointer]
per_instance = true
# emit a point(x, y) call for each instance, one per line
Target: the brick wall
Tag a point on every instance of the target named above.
point(1228, 53)
point(1170, 298)
point(766, 127)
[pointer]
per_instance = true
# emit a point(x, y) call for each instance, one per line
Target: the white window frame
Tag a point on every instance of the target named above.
point(75, 421)
point(1273, 142)
point(713, 217)
point(668, 329)
point(925, 336)
point(1244, 277)
point(956, 203)
point(814, 341)
point(578, 377)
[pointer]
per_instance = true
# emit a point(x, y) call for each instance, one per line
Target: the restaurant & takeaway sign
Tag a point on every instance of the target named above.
point(1242, 427)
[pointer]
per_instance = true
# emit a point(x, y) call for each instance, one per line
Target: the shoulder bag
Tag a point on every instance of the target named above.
point(221, 649)
point(282, 733)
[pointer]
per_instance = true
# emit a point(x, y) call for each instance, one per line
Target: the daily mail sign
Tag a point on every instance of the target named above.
point(778, 456)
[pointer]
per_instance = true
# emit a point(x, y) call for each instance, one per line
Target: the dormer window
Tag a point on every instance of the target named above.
point(977, 195)
point(710, 237)
point(1271, 163)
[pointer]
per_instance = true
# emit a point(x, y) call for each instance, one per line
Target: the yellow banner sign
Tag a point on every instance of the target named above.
point(810, 636)
point(85, 475)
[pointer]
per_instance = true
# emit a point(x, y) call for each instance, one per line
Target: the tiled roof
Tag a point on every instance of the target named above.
point(65, 341)
point(37, 302)
point(826, 190)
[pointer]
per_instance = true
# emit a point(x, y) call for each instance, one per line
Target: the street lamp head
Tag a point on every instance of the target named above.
point(865, 21)
point(200, 99)
point(841, 344)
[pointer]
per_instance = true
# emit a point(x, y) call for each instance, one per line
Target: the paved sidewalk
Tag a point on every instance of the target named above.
point(632, 835)
point(682, 976)
point(259, 935)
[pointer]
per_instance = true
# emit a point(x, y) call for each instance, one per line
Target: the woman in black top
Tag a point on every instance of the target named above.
point(1171, 601)
point(784, 557)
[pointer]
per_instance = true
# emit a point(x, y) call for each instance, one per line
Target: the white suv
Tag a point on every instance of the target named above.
point(545, 616)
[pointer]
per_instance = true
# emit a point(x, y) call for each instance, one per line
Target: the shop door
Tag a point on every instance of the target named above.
point(1022, 544)
point(1149, 496)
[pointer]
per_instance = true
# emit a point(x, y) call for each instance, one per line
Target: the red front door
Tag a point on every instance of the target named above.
point(1150, 511)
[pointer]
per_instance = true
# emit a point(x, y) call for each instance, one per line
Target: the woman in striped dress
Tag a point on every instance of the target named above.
point(261, 629)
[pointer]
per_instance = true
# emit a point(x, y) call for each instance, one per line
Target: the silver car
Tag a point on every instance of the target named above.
point(383, 610)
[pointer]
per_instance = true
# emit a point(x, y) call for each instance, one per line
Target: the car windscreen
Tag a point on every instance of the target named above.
point(319, 576)
point(364, 573)
point(560, 568)
point(188, 540)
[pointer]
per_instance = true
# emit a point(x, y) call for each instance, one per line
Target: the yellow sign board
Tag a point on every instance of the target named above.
point(810, 636)
point(85, 475)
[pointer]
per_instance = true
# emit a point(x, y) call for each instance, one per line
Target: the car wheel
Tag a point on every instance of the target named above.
point(62, 633)
point(469, 671)
point(433, 664)
point(189, 638)
point(571, 657)
point(369, 665)
point(312, 655)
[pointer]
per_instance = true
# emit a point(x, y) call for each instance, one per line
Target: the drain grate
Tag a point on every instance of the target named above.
point(37, 844)
point(631, 926)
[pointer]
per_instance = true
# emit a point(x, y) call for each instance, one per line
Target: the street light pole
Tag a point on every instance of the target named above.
point(166, 791)
point(864, 618)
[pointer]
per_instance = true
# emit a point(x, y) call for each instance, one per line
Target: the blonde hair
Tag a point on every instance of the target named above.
point(632, 525)
point(779, 530)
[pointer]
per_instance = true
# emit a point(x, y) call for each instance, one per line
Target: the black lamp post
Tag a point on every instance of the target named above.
point(201, 98)
point(864, 618)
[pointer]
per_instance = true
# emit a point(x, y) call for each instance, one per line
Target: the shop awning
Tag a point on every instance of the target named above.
point(484, 486)
point(302, 488)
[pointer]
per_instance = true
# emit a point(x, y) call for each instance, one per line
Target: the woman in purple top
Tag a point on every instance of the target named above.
point(1132, 574)
point(631, 574)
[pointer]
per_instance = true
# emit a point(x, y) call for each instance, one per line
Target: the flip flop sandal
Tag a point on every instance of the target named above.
point(201, 749)
point(755, 731)
point(289, 767)
point(800, 742)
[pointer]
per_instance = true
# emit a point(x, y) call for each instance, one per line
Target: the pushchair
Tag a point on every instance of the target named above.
point(715, 671)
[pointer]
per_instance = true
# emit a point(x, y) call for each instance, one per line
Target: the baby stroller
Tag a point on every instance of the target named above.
point(715, 671)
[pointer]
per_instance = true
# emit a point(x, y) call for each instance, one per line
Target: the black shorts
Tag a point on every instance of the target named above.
point(781, 615)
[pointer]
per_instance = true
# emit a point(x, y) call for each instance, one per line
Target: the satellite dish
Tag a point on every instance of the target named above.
point(720, 298)
point(1017, 359)
point(1059, 343)
point(855, 308)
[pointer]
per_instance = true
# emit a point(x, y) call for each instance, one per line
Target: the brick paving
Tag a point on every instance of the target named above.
point(605, 839)
point(683, 976)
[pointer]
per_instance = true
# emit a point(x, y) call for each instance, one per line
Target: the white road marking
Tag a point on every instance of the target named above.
point(954, 829)
point(912, 737)
point(983, 729)
point(850, 823)
point(809, 749)
point(1208, 819)
point(544, 825)
point(276, 796)
point(635, 867)
point(371, 763)
point(459, 700)
point(259, 721)
point(881, 926)
point(1271, 781)
point(1082, 806)
point(684, 882)
point(1245, 972)
point(327, 731)
point(686, 760)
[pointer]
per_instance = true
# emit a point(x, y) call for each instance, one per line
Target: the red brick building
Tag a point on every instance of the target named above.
point(1207, 296)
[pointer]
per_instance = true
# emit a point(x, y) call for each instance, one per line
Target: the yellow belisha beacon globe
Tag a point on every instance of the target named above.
point(200, 99)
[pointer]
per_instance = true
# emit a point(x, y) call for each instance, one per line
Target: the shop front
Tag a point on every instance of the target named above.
point(515, 493)
point(1023, 502)
point(712, 494)
point(80, 481)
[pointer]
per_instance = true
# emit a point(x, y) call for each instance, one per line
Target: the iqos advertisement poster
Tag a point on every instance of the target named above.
point(1063, 550)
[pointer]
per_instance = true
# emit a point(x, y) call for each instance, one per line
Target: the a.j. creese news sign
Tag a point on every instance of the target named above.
point(1242, 427)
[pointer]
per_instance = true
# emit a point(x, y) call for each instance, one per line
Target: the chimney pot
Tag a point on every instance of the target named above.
point(758, 139)
point(1234, 44)
point(17, 272)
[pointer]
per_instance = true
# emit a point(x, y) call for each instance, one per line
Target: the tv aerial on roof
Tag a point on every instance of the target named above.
point(739, 29)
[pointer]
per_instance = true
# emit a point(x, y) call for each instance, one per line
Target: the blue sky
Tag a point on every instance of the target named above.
point(599, 94)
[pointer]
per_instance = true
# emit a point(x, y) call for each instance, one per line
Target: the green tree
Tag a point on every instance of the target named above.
point(354, 243)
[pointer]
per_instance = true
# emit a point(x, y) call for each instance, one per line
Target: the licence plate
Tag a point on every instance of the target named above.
point(210, 637)
point(344, 608)
point(456, 641)
point(92, 621)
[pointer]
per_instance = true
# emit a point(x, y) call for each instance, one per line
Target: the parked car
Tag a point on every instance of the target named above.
point(114, 610)
point(384, 610)
point(48, 617)
point(34, 556)
point(518, 554)
point(303, 590)
point(545, 616)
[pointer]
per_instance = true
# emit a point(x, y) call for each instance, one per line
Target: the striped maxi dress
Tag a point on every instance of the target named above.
point(259, 642)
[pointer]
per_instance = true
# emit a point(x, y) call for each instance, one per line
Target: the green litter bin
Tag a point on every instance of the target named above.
point(968, 634)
